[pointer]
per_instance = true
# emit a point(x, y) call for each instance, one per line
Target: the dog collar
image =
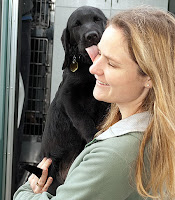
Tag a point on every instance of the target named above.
point(74, 64)
point(73, 67)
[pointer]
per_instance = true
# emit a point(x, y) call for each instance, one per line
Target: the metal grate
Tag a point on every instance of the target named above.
point(36, 111)
point(41, 13)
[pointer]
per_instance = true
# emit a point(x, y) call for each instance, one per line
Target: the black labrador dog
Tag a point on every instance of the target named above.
point(74, 113)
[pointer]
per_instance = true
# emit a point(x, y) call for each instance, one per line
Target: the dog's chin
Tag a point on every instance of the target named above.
point(83, 53)
point(87, 59)
point(84, 57)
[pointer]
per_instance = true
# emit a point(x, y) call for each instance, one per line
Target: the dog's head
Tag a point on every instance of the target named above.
point(84, 28)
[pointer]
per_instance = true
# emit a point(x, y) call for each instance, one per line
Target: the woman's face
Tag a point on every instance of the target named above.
point(117, 77)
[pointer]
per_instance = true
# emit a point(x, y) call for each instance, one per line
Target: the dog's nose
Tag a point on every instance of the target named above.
point(91, 36)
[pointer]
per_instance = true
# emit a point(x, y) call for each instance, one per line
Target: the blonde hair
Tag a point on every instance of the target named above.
point(150, 34)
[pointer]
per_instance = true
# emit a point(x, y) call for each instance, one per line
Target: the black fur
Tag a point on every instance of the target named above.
point(74, 114)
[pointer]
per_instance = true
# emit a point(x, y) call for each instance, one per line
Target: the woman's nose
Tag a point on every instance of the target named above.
point(96, 68)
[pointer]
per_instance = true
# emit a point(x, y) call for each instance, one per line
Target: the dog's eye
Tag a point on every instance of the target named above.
point(96, 19)
point(77, 23)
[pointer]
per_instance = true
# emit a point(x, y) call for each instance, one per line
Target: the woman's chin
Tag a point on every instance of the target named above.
point(99, 96)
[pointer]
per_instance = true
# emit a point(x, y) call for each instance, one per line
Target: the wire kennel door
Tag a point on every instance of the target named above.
point(35, 115)
point(40, 70)
point(41, 15)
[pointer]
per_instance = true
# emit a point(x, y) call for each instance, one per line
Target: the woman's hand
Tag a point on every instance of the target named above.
point(42, 184)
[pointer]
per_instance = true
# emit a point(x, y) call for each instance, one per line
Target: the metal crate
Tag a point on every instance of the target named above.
point(35, 115)
point(41, 13)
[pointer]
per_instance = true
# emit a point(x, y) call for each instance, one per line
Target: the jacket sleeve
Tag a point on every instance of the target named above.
point(102, 174)
point(25, 192)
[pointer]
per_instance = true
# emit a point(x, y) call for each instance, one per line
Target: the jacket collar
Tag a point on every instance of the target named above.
point(135, 123)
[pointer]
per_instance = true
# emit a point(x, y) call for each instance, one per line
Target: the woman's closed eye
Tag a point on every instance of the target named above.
point(112, 64)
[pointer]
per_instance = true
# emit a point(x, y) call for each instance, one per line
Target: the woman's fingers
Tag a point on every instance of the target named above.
point(42, 162)
point(40, 189)
point(43, 178)
point(31, 177)
point(42, 184)
point(37, 188)
point(48, 183)
point(46, 164)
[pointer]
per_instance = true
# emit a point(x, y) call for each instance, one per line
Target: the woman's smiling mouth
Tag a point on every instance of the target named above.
point(102, 83)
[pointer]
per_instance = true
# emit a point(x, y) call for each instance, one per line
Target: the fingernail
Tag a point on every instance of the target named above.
point(50, 178)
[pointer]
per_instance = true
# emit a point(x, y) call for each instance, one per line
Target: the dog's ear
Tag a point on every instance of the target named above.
point(65, 39)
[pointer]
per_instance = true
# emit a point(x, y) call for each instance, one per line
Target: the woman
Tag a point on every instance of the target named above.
point(132, 157)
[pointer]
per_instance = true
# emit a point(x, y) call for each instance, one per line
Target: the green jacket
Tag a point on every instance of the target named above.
point(104, 170)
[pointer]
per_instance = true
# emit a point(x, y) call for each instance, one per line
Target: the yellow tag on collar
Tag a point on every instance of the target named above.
point(73, 66)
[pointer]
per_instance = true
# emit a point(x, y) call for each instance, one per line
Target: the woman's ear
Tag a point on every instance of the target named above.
point(148, 83)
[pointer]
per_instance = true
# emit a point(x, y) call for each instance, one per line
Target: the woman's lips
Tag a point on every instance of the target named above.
point(102, 83)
